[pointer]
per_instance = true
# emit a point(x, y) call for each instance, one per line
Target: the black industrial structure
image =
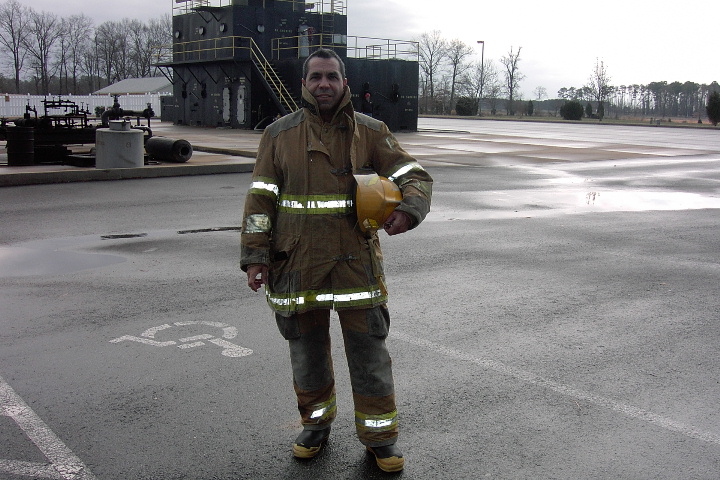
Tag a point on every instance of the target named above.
point(238, 63)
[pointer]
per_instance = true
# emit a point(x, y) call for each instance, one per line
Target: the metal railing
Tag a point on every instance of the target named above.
point(272, 78)
point(235, 48)
point(182, 7)
point(208, 49)
point(356, 47)
point(230, 47)
point(338, 7)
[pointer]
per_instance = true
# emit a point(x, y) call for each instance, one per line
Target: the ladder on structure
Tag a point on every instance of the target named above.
point(275, 85)
point(330, 8)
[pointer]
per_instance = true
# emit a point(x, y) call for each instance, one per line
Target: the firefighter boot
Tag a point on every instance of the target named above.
point(389, 458)
point(310, 442)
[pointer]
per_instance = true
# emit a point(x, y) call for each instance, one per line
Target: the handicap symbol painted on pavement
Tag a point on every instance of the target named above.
point(228, 332)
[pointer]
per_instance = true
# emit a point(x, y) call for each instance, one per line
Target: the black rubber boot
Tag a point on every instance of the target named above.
point(309, 442)
point(389, 458)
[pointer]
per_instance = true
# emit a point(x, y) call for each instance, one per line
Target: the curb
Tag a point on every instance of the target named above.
point(91, 174)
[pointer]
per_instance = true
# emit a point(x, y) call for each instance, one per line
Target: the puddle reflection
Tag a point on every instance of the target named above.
point(619, 200)
point(549, 202)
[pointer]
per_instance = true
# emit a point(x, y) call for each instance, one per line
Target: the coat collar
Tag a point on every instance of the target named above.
point(344, 106)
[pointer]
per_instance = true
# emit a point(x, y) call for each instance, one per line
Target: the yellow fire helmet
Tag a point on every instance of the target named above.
point(375, 199)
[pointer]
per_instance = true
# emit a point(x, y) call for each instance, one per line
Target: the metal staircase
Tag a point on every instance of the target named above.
point(275, 86)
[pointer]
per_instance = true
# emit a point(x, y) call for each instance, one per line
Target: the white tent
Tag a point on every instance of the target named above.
point(138, 86)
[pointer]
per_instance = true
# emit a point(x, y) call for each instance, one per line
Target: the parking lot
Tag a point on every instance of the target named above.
point(555, 317)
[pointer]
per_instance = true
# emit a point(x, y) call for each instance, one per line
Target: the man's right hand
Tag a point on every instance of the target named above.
point(257, 276)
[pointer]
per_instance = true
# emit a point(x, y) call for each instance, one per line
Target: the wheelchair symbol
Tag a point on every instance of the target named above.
point(228, 332)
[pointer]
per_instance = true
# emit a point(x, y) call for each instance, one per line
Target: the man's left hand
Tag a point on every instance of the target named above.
point(397, 222)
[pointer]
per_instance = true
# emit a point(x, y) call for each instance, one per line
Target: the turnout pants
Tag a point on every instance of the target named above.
point(364, 333)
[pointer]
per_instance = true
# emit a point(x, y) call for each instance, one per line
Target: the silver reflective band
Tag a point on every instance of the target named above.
point(317, 204)
point(328, 299)
point(405, 169)
point(378, 423)
point(270, 187)
point(319, 413)
point(284, 302)
point(325, 409)
point(349, 297)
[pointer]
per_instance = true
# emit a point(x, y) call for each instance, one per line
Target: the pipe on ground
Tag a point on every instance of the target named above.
point(168, 149)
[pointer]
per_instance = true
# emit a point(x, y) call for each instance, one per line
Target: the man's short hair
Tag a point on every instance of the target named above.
point(327, 54)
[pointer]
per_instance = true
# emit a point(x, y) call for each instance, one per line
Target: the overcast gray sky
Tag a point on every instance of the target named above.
point(639, 41)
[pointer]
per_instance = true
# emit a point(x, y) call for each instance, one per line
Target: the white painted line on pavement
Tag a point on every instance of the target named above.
point(64, 465)
point(30, 469)
point(537, 380)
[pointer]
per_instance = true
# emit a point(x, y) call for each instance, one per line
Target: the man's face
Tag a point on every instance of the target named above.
point(325, 82)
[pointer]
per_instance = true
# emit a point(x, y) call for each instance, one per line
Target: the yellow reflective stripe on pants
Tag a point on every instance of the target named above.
point(378, 423)
point(324, 410)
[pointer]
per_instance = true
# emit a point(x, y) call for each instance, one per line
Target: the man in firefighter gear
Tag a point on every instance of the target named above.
point(302, 240)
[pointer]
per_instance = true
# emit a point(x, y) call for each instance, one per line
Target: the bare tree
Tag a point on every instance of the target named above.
point(160, 40)
point(442, 94)
point(140, 59)
point(111, 40)
point(540, 94)
point(69, 54)
point(599, 86)
point(432, 50)
point(478, 80)
point(60, 60)
point(493, 86)
point(14, 19)
point(125, 60)
point(513, 77)
point(457, 52)
point(90, 65)
point(74, 45)
point(45, 29)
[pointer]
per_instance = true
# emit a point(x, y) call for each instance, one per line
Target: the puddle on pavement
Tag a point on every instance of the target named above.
point(25, 262)
point(548, 202)
point(617, 200)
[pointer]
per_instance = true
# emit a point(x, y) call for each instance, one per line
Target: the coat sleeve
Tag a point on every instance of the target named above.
point(260, 207)
point(392, 161)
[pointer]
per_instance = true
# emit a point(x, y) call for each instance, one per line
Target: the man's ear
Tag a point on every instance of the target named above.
point(303, 81)
point(344, 82)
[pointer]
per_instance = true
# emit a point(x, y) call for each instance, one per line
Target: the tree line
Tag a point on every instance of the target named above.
point(658, 99)
point(48, 54)
point(452, 82)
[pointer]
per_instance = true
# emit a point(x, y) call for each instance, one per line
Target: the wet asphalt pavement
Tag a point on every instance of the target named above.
point(555, 317)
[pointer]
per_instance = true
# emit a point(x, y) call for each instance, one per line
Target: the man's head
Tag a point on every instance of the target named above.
point(324, 77)
point(327, 54)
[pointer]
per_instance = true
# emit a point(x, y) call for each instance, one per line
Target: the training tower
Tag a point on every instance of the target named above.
point(238, 63)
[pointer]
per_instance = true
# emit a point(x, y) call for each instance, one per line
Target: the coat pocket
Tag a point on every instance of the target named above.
point(281, 247)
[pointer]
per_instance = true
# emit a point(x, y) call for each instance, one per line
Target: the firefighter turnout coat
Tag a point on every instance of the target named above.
point(300, 218)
